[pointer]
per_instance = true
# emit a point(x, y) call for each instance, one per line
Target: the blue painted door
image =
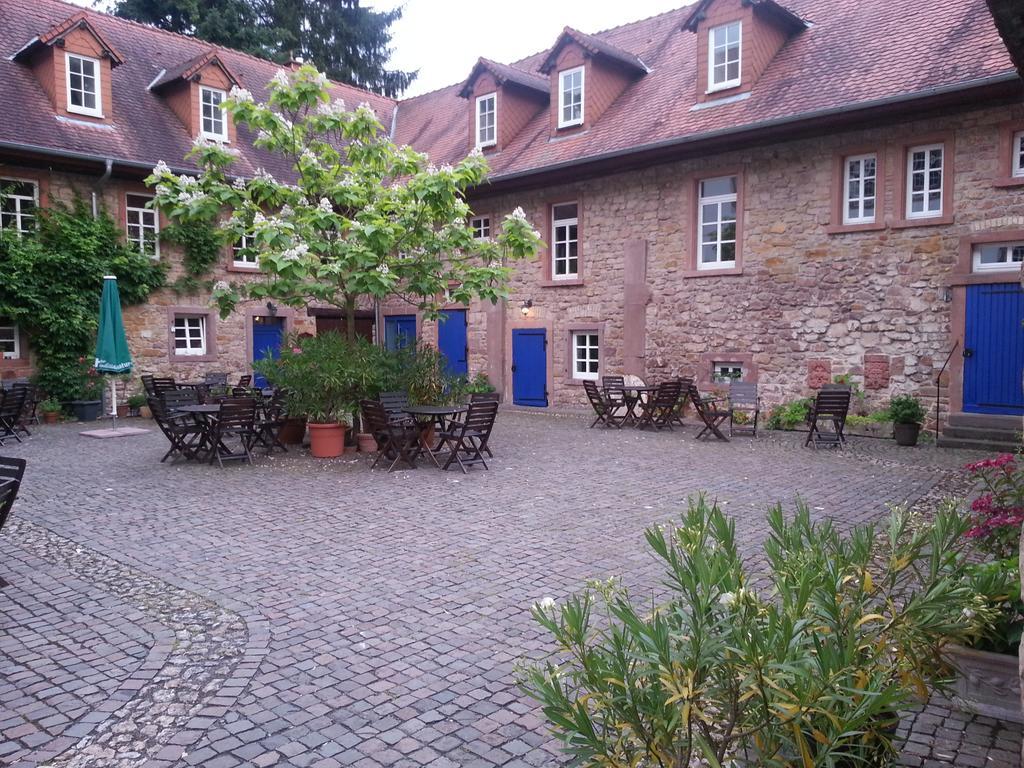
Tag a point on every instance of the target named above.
point(267, 334)
point(399, 331)
point(453, 342)
point(530, 367)
point(994, 349)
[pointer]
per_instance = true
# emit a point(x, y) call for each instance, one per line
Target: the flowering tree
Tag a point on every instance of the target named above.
point(359, 218)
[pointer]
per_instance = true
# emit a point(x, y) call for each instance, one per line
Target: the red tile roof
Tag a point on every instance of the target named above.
point(186, 69)
point(594, 45)
point(783, 13)
point(59, 31)
point(503, 73)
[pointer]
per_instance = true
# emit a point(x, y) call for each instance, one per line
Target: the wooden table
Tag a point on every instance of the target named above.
point(201, 414)
point(428, 416)
point(632, 395)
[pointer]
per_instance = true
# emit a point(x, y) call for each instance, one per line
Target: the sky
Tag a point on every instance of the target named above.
point(443, 38)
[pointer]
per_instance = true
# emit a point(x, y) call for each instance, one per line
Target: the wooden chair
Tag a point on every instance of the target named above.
point(244, 382)
point(12, 404)
point(484, 397)
point(608, 413)
point(181, 431)
point(468, 438)
point(175, 398)
point(11, 473)
point(270, 421)
point(396, 441)
point(677, 414)
point(395, 404)
point(163, 384)
point(659, 411)
point(743, 399)
point(830, 405)
point(28, 412)
point(709, 413)
point(236, 419)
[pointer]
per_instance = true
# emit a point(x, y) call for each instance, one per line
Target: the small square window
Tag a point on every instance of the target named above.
point(996, 257)
point(925, 173)
point(724, 56)
point(570, 97)
point(10, 348)
point(214, 121)
point(481, 226)
point(142, 225)
point(18, 201)
point(724, 373)
point(244, 253)
point(487, 120)
point(586, 356)
point(83, 85)
point(189, 336)
point(565, 244)
point(1018, 154)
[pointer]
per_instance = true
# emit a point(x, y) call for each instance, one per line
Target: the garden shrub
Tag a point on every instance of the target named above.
point(791, 414)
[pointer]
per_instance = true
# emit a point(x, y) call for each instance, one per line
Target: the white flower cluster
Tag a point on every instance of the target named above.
point(432, 169)
point(187, 181)
point(221, 286)
point(731, 599)
point(238, 183)
point(262, 135)
point(163, 190)
point(325, 205)
point(286, 212)
point(546, 604)
point(283, 120)
point(264, 175)
point(258, 220)
point(365, 107)
point(187, 198)
point(161, 168)
point(296, 253)
point(518, 213)
point(233, 151)
point(476, 152)
point(240, 94)
point(321, 78)
point(201, 142)
point(384, 269)
point(335, 107)
point(310, 157)
point(280, 79)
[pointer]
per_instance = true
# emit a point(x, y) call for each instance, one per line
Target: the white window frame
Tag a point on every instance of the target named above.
point(188, 327)
point(97, 111)
point(562, 90)
point(138, 242)
point(718, 371)
point(222, 136)
point(713, 84)
point(1017, 161)
point(20, 200)
point(592, 349)
point(236, 250)
point(861, 198)
point(481, 226)
point(16, 352)
point(928, 190)
point(566, 241)
point(481, 102)
point(1004, 266)
point(718, 201)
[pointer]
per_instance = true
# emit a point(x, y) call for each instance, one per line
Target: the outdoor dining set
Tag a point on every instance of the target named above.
point(626, 401)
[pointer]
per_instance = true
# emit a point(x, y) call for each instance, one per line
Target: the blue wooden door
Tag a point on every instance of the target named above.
point(453, 342)
point(267, 334)
point(530, 367)
point(399, 331)
point(994, 349)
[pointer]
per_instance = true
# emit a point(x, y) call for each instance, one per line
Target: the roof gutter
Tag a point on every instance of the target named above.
point(778, 122)
point(64, 154)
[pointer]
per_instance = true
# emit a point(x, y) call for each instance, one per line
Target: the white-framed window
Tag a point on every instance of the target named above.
point(18, 202)
point(10, 348)
point(244, 254)
point(570, 97)
point(83, 84)
point(724, 56)
point(859, 189)
point(1017, 146)
point(213, 121)
point(481, 226)
point(142, 225)
point(717, 223)
point(189, 335)
point(727, 372)
point(565, 242)
point(924, 181)
point(993, 257)
point(487, 120)
point(586, 355)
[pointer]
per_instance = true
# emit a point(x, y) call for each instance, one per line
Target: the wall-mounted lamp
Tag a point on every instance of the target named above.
point(947, 295)
point(272, 308)
point(525, 309)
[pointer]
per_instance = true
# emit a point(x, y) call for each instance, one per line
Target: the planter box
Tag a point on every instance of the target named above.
point(987, 683)
point(87, 410)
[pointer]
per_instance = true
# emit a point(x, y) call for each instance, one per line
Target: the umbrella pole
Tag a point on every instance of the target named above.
point(113, 403)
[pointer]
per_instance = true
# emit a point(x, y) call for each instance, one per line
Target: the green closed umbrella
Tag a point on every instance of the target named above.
point(112, 355)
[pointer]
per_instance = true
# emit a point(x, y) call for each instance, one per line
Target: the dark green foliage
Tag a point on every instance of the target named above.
point(348, 42)
point(201, 245)
point(906, 409)
point(52, 283)
point(790, 415)
point(999, 582)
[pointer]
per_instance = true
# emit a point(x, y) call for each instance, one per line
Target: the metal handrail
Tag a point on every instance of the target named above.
point(938, 386)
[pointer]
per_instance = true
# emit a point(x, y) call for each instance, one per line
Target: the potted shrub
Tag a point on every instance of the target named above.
point(136, 403)
point(50, 408)
point(907, 414)
point(89, 404)
point(988, 681)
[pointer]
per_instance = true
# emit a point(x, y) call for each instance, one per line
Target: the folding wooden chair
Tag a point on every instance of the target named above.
point(485, 397)
point(11, 473)
point(608, 413)
point(743, 399)
point(270, 421)
point(181, 431)
point(175, 398)
point(395, 404)
point(468, 438)
point(659, 411)
point(709, 413)
point(12, 404)
point(677, 413)
point(28, 411)
point(396, 441)
point(236, 419)
point(830, 405)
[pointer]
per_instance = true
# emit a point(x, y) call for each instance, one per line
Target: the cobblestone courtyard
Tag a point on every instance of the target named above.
point(318, 614)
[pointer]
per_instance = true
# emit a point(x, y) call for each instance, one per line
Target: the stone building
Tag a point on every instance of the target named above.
point(735, 188)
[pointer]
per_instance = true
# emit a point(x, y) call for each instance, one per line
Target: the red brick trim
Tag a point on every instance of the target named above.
point(546, 279)
point(899, 213)
point(708, 359)
point(583, 327)
point(1005, 177)
point(963, 271)
point(839, 187)
point(692, 260)
point(211, 334)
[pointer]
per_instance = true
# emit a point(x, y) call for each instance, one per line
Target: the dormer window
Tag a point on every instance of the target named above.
point(487, 120)
point(570, 97)
point(214, 123)
point(724, 56)
point(83, 83)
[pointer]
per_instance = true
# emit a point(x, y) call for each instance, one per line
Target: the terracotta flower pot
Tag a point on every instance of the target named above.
point(293, 431)
point(51, 417)
point(367, 443)
point(326, 441)
point(122, 411)
point(144, 412)
point(986, 683)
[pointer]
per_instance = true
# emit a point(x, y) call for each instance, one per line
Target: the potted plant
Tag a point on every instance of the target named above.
point(988, 681)
point(907, 414)
point(89, 403)
point(136, 403)
point(50, 408)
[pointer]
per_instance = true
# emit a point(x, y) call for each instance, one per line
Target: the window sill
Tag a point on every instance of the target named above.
point(931, 221)
point(984, 278)
point(839, 229)
point(248, 270)
point(561, 283)
point(193, 358)
point(688, 273)
point(1009, 181)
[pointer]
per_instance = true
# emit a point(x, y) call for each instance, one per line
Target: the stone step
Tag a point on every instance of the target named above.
point(991, 420)
point(982, 433)
point(980, 444)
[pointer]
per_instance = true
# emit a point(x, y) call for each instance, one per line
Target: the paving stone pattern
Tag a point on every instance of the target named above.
point(314, 613)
